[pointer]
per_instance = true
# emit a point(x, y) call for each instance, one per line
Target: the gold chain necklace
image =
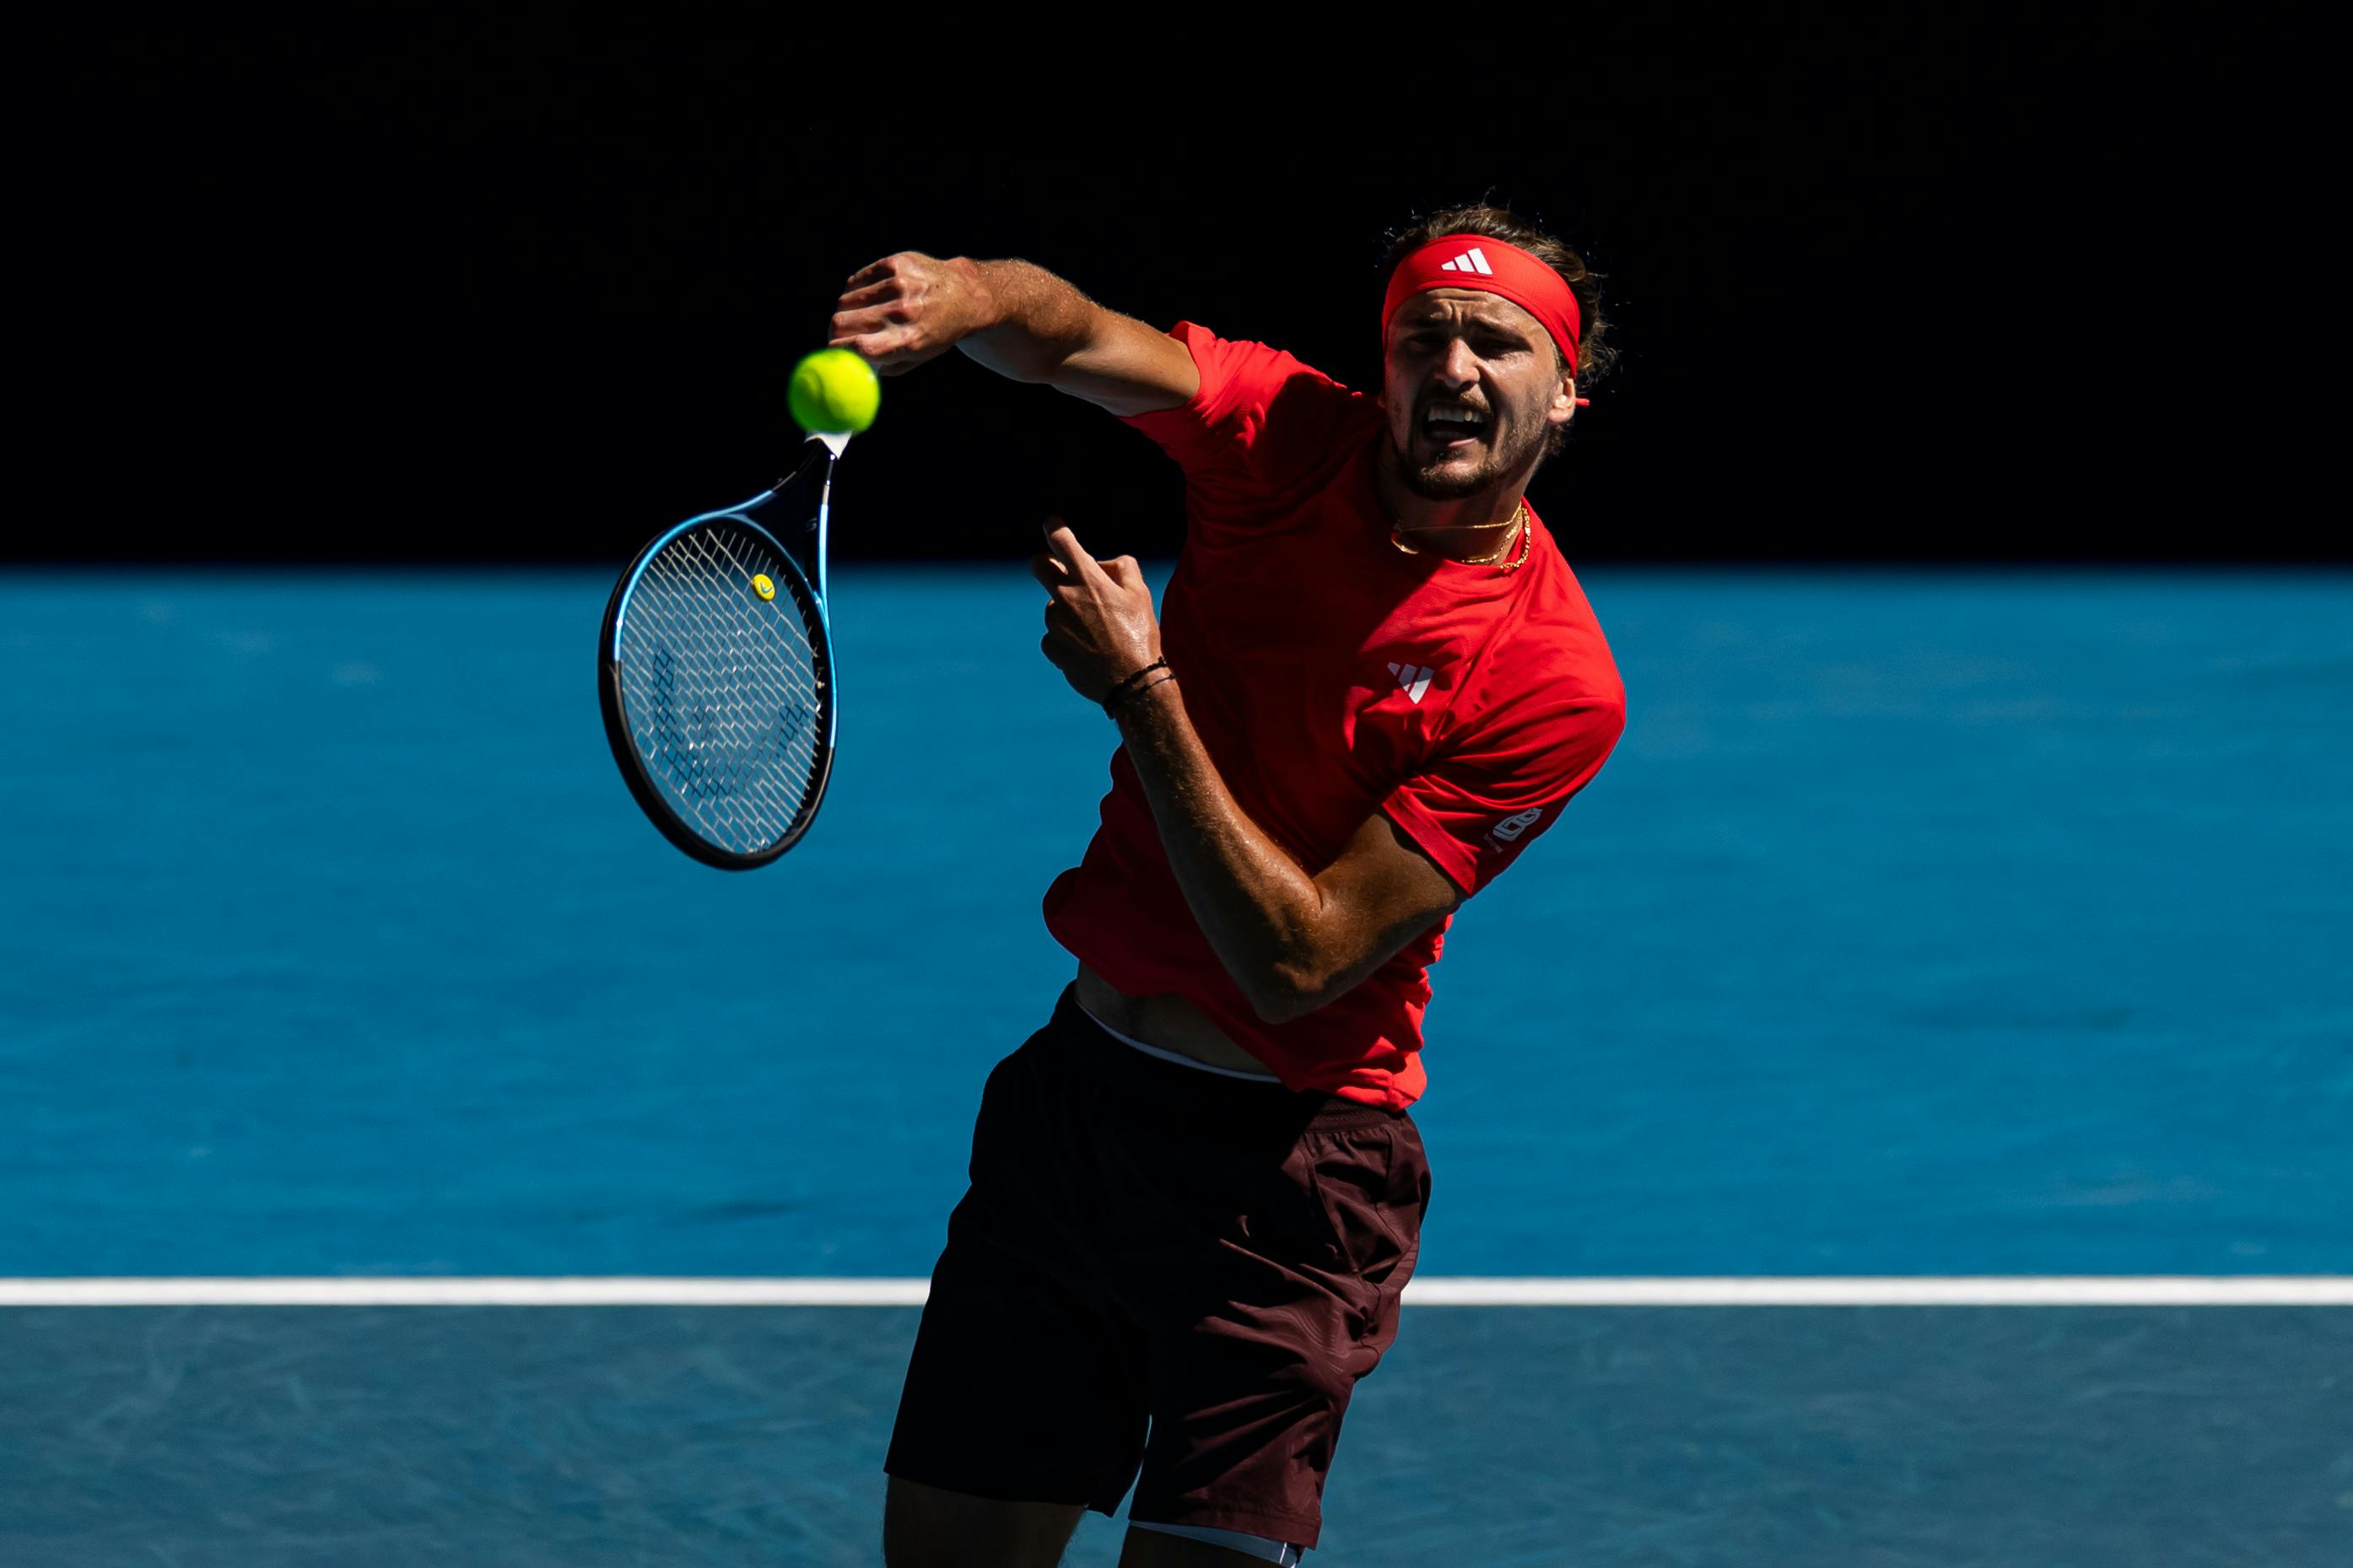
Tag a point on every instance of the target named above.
point(1527, 539)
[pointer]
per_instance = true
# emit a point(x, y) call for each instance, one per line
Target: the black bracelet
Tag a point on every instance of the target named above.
point(1111, 697)
point(1166, 677)
point(1131, 688)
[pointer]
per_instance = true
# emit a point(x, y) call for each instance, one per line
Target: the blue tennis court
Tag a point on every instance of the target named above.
point(1925, 924)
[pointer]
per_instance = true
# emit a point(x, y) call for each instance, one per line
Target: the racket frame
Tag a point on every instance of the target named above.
point(650, 796)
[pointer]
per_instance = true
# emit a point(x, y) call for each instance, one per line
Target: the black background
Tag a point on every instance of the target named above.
point(524, 293)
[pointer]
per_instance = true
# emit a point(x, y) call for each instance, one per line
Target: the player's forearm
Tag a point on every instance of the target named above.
point(1035, 322)
point(1264, 916)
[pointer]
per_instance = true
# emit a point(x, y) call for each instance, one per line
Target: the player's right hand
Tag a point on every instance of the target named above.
point(908, 308)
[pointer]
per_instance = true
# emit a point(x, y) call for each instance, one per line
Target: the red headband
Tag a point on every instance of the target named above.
point(1474, 261)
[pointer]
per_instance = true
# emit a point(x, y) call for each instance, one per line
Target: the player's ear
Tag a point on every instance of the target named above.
point(1565, 401)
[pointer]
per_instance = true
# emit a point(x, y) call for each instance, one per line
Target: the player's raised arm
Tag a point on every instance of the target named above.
point(1019, 320)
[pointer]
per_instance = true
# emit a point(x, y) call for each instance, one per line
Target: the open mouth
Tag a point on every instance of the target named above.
point(1454, 427)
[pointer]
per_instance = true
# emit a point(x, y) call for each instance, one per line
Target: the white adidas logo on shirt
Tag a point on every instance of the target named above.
point(1471, 261)
point(1412, 678)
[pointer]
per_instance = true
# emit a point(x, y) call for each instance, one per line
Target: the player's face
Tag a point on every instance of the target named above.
point(1471, 384)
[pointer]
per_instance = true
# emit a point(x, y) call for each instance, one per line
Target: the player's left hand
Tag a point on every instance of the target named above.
point(1099, 628)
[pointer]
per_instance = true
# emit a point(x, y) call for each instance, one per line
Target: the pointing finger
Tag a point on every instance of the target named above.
point(1066, 548)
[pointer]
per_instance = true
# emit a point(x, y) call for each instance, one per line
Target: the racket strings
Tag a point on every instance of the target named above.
point(721, 699)
point(724, 689)
point(743, 656)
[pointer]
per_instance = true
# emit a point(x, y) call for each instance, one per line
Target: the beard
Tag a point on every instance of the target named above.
point(1449, 480)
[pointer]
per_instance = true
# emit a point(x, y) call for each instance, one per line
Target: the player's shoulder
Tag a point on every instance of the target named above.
point(1246, 370)
point(1242, 353)
point(1551, 651)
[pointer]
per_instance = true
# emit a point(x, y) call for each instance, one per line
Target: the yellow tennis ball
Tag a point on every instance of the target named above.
point(834, 393)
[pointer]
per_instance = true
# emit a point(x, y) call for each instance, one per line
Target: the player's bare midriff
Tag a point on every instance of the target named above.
point(1172, 1023)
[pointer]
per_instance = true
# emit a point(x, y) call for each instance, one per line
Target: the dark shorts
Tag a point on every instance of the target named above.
point(1143, 1240)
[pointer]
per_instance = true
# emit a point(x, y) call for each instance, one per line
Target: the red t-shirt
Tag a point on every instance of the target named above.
point(1330, 676)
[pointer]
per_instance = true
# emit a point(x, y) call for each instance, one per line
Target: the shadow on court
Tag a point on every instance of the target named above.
point(208, 1436)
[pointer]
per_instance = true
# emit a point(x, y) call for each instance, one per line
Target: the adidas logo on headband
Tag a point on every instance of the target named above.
point(1524, 279)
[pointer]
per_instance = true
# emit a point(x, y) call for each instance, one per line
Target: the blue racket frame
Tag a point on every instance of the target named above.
point(650, 795)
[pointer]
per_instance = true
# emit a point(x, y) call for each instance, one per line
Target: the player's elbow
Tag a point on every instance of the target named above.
point(1277, 1006)
point(1283, 992)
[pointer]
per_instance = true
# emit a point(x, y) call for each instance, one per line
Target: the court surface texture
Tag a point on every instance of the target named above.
point(1928, 927)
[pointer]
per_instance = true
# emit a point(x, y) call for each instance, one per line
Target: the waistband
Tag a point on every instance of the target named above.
point(1182, 1060)
point(1206, 1103)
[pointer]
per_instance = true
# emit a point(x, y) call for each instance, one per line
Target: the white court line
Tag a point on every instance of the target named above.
point(1984, 1290)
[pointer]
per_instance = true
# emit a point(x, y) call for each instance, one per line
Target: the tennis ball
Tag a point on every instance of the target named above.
point(834, 393)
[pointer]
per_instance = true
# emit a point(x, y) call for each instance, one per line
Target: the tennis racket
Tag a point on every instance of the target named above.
point(715, 671)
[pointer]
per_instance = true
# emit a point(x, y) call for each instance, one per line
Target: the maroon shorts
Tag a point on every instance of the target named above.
point(1145, 1240)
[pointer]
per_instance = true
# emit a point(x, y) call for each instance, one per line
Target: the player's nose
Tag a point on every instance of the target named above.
point(1457, 366)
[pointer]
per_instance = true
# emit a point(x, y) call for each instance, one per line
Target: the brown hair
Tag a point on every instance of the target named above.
point(1595, 354)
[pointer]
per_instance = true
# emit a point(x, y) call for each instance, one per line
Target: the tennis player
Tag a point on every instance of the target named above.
point(1196, 1192)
